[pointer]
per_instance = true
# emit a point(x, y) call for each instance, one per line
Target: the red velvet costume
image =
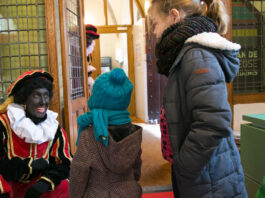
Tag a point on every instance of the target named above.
point(24, 166)
point(55, 151)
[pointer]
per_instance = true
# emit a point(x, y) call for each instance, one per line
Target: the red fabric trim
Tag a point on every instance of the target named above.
point(20, 147)
point(4, 186)
point(38, 73)
point(90, 25)
point(66, 145)
point(9, 90)
point(159, 195)
point(3, 118)
point(91, 32)
point(54, 149)
point(19, 190)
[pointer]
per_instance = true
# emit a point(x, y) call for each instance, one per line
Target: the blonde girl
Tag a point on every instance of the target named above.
point(196, 116)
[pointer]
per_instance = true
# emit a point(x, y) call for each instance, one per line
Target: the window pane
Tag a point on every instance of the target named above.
point(247, 30)
point(33, 36)
point(22, 39)
point(74, 49)
point(43, 61)
point(34, 61)
point(94, 12)
point(14, 37)
point(22, 11)
point(119, 12)
point(25, 62)
point(33, 47)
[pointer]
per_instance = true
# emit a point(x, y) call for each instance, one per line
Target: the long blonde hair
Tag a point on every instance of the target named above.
point(213, 9)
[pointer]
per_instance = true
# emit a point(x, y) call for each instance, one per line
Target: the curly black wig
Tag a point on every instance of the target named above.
point(28, 87)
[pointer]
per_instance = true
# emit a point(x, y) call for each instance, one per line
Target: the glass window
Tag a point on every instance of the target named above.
point(74, 49)
point(247, 30)
point(22, 40)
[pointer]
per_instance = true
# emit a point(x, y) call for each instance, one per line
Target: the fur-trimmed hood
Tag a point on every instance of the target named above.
point(213, 40)
point(225, 51)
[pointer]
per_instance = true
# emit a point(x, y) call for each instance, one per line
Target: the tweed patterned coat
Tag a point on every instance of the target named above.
point(102, 172)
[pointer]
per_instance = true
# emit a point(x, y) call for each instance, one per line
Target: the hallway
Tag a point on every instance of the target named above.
point(156, 172)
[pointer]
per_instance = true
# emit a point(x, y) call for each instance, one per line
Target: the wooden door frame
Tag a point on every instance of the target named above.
point(50, 18)
point(96, 55)
point(228, 36)
point(70, 104)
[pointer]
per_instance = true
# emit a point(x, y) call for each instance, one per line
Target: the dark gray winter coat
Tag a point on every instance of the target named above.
point(206, 160)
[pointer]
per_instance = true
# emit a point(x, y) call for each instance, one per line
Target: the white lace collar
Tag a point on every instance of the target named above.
point(24, 128)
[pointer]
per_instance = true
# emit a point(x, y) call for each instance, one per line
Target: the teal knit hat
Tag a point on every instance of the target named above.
point(111, 91)
point(108, 103)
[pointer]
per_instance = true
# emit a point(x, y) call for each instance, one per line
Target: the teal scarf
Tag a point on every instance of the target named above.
point(100, 119)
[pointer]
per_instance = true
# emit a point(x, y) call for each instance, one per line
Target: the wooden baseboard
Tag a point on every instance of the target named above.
point(137, 120)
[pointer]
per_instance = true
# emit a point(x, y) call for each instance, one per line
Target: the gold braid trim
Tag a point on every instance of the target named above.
point(48, 180)
point(24, 178)
point(8, 101)
point(1, 188)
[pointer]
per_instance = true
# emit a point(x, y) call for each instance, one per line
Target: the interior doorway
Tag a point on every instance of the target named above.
point(113, 52)
point(114, 49)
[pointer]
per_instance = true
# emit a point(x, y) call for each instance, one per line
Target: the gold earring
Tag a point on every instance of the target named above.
point(25, 106)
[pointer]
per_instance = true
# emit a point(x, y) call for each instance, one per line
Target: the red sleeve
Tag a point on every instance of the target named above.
point(4, 186)
point(60, 160)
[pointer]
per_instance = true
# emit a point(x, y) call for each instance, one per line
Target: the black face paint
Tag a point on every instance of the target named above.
point(88, 40)
point(37, 103)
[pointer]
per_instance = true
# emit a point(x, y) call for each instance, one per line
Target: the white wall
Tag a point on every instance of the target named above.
point(108, 45)
point(140, 70)
point(242, 109)
point(94, 12)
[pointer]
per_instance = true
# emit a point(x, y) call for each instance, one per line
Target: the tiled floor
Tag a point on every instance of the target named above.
point(156, 172)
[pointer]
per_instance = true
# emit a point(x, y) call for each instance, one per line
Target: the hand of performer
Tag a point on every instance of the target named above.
point(6, 195)
point(37, 189)
point(38, 167)
point(15, 168)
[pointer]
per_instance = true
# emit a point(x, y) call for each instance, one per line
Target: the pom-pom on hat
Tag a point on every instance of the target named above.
point(18, 83)
point(111, 91)
point(91, 31)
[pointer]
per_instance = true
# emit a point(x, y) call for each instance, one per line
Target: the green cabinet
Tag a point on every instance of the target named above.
point(252, 150)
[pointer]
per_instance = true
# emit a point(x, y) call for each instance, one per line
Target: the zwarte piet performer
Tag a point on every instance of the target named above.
point(35, 155)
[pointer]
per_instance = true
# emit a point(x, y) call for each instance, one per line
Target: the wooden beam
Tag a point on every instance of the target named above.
point(228, 36)
point(83, 47)
point(140, 7)
point(131, 72)
point(131, 11)
point(96, 59)
point(52, 54)
point(249, 98)
point(113, 29)
point(106, 12)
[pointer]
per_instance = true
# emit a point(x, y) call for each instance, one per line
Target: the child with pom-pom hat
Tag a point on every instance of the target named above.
point(107, 162)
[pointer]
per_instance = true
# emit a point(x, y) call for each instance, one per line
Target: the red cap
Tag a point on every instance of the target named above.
point(91, 30)
point(26, 76)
